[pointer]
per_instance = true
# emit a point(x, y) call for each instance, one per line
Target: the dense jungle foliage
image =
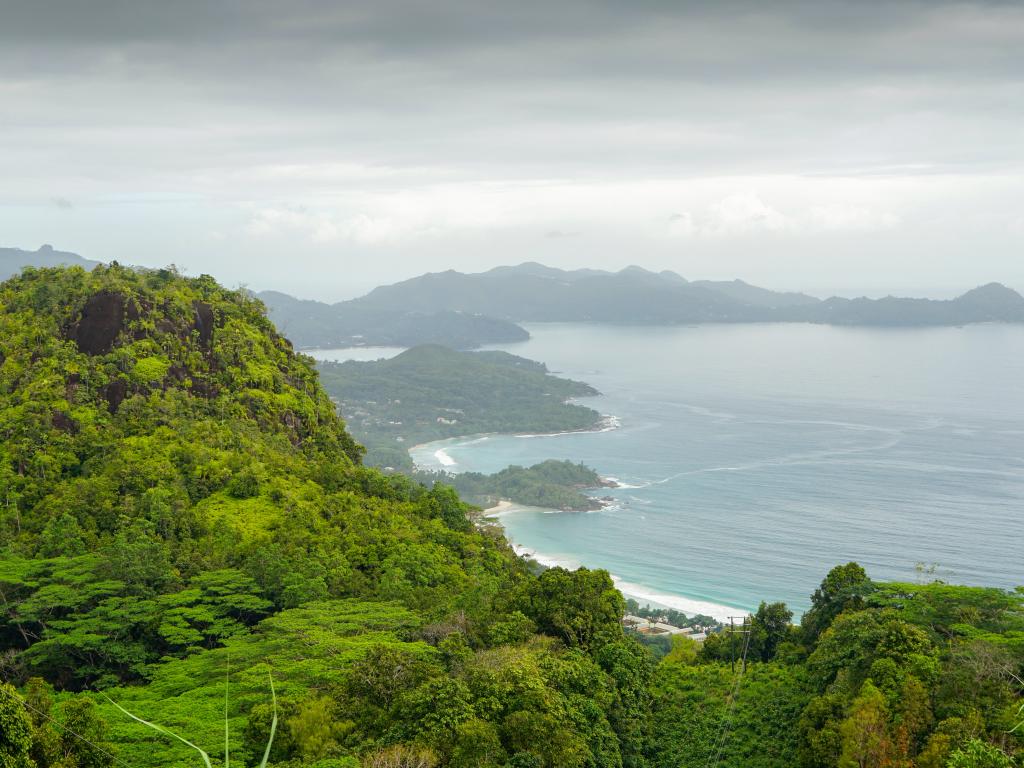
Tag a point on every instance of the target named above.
point(184, 518)
point(551, 484)
point(432, 392)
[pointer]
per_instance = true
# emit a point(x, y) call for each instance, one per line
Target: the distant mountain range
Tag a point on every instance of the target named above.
point(535, 293)
point(316, 324)
point(465, 311)
point(12, 260)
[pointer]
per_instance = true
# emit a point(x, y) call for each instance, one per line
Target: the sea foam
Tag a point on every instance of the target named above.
point(687, 605)
point(643, 595)
point(443, 458)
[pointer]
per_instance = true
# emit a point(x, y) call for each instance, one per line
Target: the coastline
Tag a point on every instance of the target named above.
point(691, 606)
point(607, 423)
point(442, 461)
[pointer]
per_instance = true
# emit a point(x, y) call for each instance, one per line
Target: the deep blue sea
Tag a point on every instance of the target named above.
point(753, 458)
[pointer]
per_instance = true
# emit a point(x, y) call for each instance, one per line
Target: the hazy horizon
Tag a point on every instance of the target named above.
point(352, 290)
point(832, 147)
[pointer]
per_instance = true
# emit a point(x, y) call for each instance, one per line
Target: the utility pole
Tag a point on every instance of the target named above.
point(744, 629)
point(732, 645)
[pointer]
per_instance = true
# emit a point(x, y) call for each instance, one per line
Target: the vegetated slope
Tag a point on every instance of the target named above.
point(633, 295)
point(316, 324)
point(755, 296)
point(12, 260)
point(876, 674)
point(183, 516)
point(551, 484)
point(532, 292)
point(432, 392)
point(988, 303)
point(180, 503)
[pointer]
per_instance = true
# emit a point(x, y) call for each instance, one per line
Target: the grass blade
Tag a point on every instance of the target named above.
point(227, 680)
point(158, 729)
point(273, 723)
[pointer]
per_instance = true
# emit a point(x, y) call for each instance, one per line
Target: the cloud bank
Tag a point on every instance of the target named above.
point(321, 147)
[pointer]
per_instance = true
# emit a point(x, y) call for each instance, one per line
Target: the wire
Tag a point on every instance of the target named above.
point(78, 736)
point(723, 733)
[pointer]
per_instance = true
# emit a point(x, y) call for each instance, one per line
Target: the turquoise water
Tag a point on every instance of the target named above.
point(340, 355)
point(756, 457)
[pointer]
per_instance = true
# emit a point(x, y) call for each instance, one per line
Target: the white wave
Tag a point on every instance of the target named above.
point(621, 483)
point(550, 561)
point(443, 458)
point(607, 424)
point(699, 410)
point(688, 605)
point(643, 595)
point(790, 460)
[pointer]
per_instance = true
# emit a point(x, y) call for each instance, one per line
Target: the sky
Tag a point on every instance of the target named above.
point(322, 148)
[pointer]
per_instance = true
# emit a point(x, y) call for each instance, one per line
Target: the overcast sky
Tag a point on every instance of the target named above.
point(322, 148)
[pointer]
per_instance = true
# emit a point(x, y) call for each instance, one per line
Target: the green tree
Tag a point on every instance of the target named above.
point(770, 626)
point(256, 732)
point(684, 651)
point(477, 745)
point(444, 502)
point(83, 741)
point(582, 608)
point(15, 730)
point(865, 738)
point(62, 536)
point(45, 738)
point(977, 754)
point(314, 729)
point(821, 741)
point(845, 587)
point(139, 559)
point(629, 666)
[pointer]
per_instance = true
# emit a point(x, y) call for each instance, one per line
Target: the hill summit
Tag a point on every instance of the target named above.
point(178, 498)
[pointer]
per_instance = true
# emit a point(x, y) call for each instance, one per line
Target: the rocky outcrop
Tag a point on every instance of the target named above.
point(101, 321)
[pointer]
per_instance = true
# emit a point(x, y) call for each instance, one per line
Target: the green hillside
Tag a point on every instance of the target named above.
point(534, 293)
point(316, 324)
point(184, 521)
point(551, 484)
point(432, 392)
point(180, 502)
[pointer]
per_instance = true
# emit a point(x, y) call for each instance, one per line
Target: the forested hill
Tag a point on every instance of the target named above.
point(431, 392)
point(533, 292)
point(180, 502)
point(316, 324)
point(184, 520)
point(12, 260)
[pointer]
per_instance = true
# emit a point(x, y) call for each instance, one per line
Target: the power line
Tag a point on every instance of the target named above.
point(744, 630)
point(727, 720)
point(78, 736)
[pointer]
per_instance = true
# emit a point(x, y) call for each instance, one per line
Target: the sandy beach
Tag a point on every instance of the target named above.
point(502, 506)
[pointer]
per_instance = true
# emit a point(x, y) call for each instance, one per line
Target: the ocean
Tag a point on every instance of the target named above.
point(755, 457)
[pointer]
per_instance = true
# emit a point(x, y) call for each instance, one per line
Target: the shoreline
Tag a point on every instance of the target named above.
point(607, 423)
point(691, 606)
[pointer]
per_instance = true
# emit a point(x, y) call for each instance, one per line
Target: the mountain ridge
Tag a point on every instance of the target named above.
point(532, 292)
point(469, 310)
point(13, 260)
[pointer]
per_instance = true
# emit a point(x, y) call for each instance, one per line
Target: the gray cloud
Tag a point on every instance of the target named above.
point(408, 130)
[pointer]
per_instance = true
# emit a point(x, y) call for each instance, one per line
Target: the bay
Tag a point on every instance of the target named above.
point(753, 458)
